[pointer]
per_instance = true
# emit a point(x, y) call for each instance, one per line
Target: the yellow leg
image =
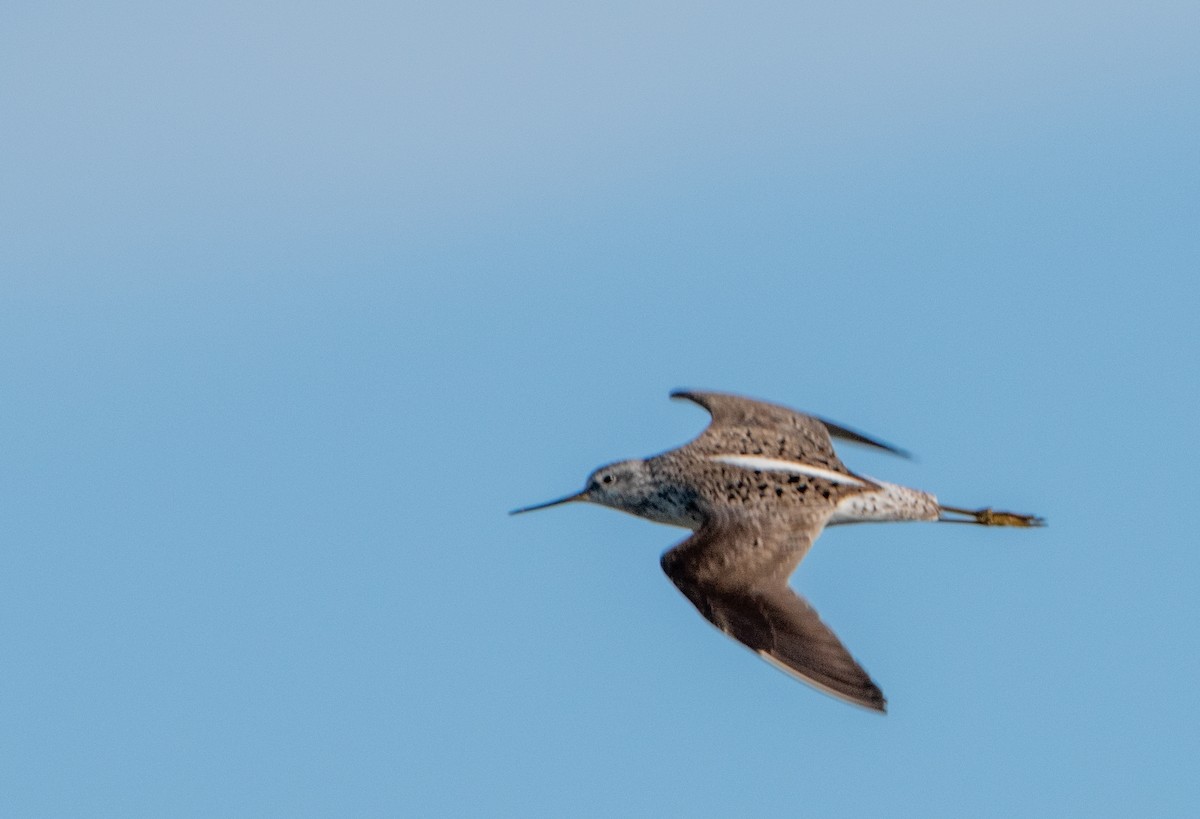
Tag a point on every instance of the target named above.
point(990, 517)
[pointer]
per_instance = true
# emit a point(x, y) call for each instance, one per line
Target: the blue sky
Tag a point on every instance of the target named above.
point(298, 301)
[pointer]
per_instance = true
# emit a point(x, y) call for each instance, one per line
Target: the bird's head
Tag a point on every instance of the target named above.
point(624, 485)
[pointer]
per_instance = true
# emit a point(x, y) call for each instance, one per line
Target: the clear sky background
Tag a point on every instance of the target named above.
point(299, 299)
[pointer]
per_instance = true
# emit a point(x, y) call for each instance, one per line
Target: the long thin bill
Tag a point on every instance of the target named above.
point(547, 505)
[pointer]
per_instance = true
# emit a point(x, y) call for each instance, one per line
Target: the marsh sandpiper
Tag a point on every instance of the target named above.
point(756, 488)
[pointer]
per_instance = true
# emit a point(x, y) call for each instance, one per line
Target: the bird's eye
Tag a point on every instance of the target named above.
point(607, 479)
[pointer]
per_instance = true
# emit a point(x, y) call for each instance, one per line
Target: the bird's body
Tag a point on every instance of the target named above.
point(756, 488)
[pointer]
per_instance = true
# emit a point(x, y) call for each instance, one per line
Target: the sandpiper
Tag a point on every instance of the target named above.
point(756, 488)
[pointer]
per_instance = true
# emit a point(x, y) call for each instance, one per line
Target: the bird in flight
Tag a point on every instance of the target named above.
point(756, 488)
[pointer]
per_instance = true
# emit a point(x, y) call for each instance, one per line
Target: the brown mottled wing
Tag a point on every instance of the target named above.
point(736, 576)
point(806, 435)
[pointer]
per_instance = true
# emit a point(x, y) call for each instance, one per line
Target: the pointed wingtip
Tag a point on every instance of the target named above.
point(835, 430)
point(697, 397)
point(856, 437)
point(871, 700)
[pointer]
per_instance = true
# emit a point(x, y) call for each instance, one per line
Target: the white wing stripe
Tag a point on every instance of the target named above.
point(776, 465)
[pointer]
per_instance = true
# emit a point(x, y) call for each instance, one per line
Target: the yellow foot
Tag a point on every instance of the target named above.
point(990, 517)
